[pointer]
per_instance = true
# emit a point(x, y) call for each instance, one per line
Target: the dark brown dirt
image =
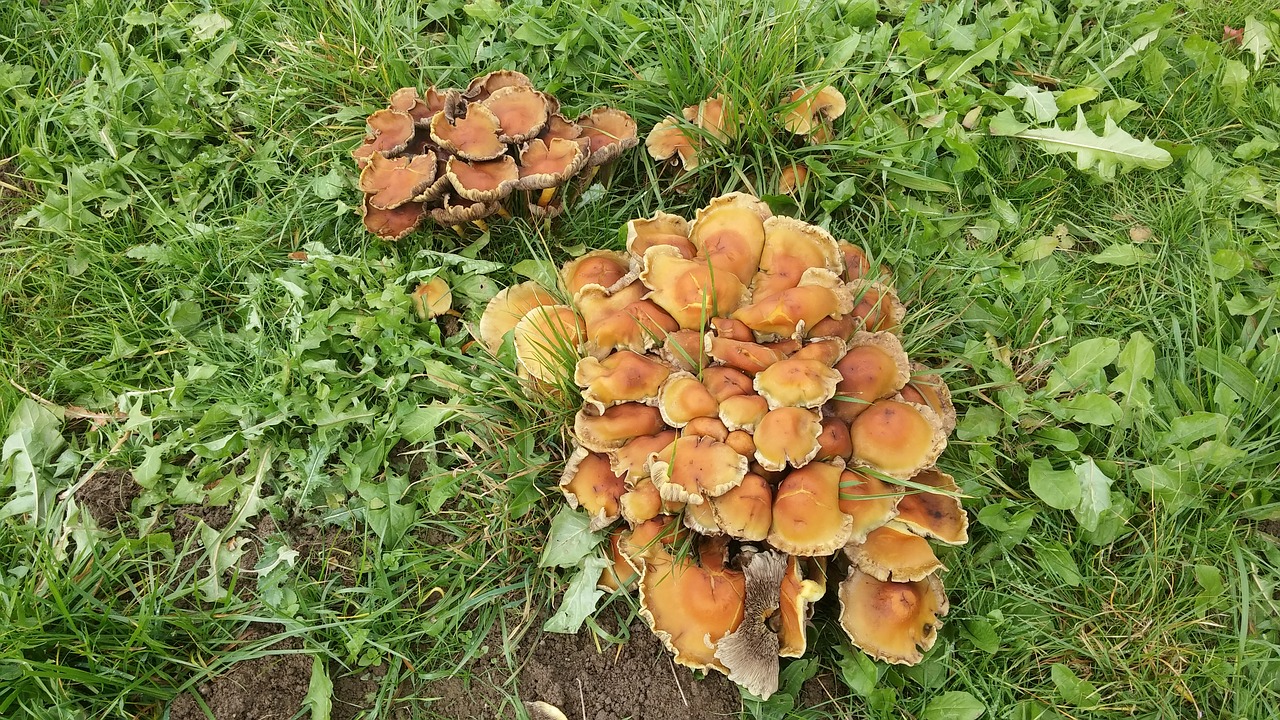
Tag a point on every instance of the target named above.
point(266, 688)
point(109, 496)
point(1270, 527)
point(186, 520)
point(326, 552)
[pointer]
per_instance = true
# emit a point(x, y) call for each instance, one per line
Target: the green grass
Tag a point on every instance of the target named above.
point(162, 164)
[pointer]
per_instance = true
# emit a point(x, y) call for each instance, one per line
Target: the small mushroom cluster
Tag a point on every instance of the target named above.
point(748, 412)
point(807, 112)
point(458, 156)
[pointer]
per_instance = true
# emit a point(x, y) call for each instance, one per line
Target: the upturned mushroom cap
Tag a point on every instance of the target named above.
point(797, 383)
point(716, 116)
point(694, 468)
point(875, 367)
point(485, 85)
point(746, 511)
point(390, 132)
point(392, 182)
point(877, 306)
point(407, 100)
point(834, 442)
point(473, 135)
point(793, 610)
point(790, 248)
point(890, 554)
point(787, 435)
point(934, 514)
point(607, 431)
point(488, 182)
point(811, 109)
point(395, 223)
point(550, 163)
point(624, 376)
point(891, 621)
point(926, 388)
point(870, 501)
point(455, 209)
point(432, 298)
point(587, 481)
point(669, 141)
point(604, 268)
point(806, 512)
point(743, 412)
point(507, 308)
point(690, 291)
point(897, 438)
point(683, 349)
point(546, 341)
point(558, 126)
point(683, 397)
point(621, 319)
point(631, 461)
point(729, 233)
point(750, 653)
point(787, 314)
point(521, 111)
point(690, 608)
point(661, 229)
point(610, 132)
point(751, 358)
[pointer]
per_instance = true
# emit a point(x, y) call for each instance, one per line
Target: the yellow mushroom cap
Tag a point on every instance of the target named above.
point(726, 382)
point(709, 427)
point(621, 319)
point(786, 314)
point(934, 514)
point(926, 388)
point(661, 229)
point(473, 136)
point(432, 298)
point(589, 482)
point(642, 502)
point(507, 308)
point(683, 398)
point(742, 441)
point(521, 111)
point(694, 468)
point(731, 329)
point(826, 350)
point(598, 267)
point(609, 430)
point(392, 182)
point(683, 349)
point(788, 435)
point(749, 357)
point(546, 341)
point(870, 501)
point(619, 574)
point(797, 383)
point(746, 511)
point(668, 140)
point(631, 461)
point(834, 442)
point(877, 306)
point(874, 367)
point(743, 412)
point(790, 248)
point(691, 291)
point(810, 108)
point(691, 607)
point(792, 178)
point(624, 376)
point(717, 116)
point(729, 234)
point(897, 438)
point(806, 512)
point(896, 622)
point(892, 554)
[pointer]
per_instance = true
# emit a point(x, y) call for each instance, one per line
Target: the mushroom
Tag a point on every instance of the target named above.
point(454, 211)
point(691, 607)
point(806, 512)
point(558, 126)
point(791, 178)
point(819, 294)
point(483, 182)
point(790, 248)
point(750, 653)
point(485, 85)
point(746, 511)
point(896, 622)
point(742, 441)
point(668, 142)
point(793, 612)
point(692, 469)
point(683, 349)
point(875, 367)
point(407, 100)
point(716, 116)
point(729, 233)
point(690, 291)
point(432, 298)
point(631, 461)
point(827, 350)
point(834, 442)
point(726, 382)
point(892, 554)
point(683, 398)
point(589, 482)
point(619, 574)
point(609, 430)
point(749, 357)
point(936, 515)
point(811, 112)
point(743, 412)
point(521, 111)
point(507, 308)
point(856, 263)
point(870, 501)
point(877, 307)
point(621, 377)
point(661, 229)
point(610, 132)
point(704, 426)
point(548, 164)
point(797, 383)
point(606, 269)
point(926, 388)
point(897, 438)
point(395, 223)
point(546, 342)
point(472, 133)
point(392, 182)
point(623, 319)
point(390, 132)
point(787, 435)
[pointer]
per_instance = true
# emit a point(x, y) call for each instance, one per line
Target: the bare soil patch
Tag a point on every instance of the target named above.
point(271, 687)
point(108, 497)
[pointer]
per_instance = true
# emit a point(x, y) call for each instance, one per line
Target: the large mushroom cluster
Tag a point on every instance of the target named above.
point(748, 414)
point(459, 156)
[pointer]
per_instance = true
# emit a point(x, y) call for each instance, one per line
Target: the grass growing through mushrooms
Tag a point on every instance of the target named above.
point(188, 301)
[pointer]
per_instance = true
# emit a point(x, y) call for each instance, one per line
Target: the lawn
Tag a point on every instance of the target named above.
point(242, 476)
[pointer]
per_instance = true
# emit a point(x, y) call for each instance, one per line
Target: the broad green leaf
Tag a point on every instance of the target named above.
point(954, 705)
point(1227, 263)
point(1229, 370)
point(1059, 489)
point(1095, 493)
point(1256, 40)
point(1093, 409)
point(207, 26)
point(1168, 486)
point(570, 540)
point(1138, 357)
point(858, 671)
point(579, 600)
point(1056, 558)
point(319, 697)
point(1005, 124)
point(1198, 425)
point(1123, 61)
point(1075, 97)
point(419, 426)
point(1015, 28)
point(1255, 148)
point(980, 422)
point(34, 437)
point(1083, 363)
point(1080, 693)
point(1039, 104)
point(982, 634)
point(1113, 150)
point(1122, 254)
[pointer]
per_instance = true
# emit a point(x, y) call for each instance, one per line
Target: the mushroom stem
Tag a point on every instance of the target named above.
point(545, 198)
point(503, 212)
point(484, 226)
point(458, 229)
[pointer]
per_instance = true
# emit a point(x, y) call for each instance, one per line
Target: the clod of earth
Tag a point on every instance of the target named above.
point(748, 412)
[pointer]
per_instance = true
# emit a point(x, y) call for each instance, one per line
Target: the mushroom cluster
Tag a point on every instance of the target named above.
point(458, 156)
point(806, 112)
point(749, 414)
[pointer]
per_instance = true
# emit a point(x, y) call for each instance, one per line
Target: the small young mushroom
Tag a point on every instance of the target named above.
point(792, 178)
point(619, 574)
point(622, 319)
point(455, 210)
point(716, 116)
point(683, 397)
point(407, 100)
point(897, 438)
point(668, 141)
point(751, 358)
point(896, 622)
point(661, 229)
point(890, 554)
point(708, 427)
point(432, 298)
point(934, 514)
point(877, 307)
point(834, 442)
point(683, 349)
point(743, 412)
point(811, 112)
point(726, 382)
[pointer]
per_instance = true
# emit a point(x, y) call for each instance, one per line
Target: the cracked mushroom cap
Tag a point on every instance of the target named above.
point(897, 438)
point(624, 376)
point(793, 611)
point(751, 358)
point(896, 622)
point(683, 349)
point(750, 653)
point(485, 85)
point(791, 247)
point(522, 112)
point(926, 388)
point(806, 512)
point(716, 116)
point(936, 515)
point(788, 435)
point(875, 367)
point(743, 413)
point(550, 163)
point(746, 511)
point(610, 132)
point(607, 431)
point(683, 397)
point(631, 461)
point(811, 109)
point(797, 383)
point(694, 468)
point(668, 141)
point(605, 268)
point(395, 223)
point(473, 136)
point(877, 307)
point(661, 229)
point(392, 182)
point(691, 607)
point(819, 295)
point(546, 341)
point(390, 132)
point(622, 319)
point(890, 554)
point(589, 482)
point(834, 442)
point(507, 308)
point(870, 501)
point(729, 233)
point(690, 291)
point(485, 182)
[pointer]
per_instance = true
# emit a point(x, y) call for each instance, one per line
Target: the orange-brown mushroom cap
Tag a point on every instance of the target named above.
point(604, 268)
point(726, 382)
point(485, 85)
point(877, 306)
point(797, 383)
point(715, 115)
point(546, 342)
point(811, 108)
point(588, 481)
point(694, 468)
point(621, 319)
point(390, 131)
point(407, 100)
point(558, 126)
point(892, 554)
point(521, 111)
point(749, 357)
point(455, 209)
point(730, 234)
point(787, 435)
point(691, 607)
point(631, 461)
point(790, 248)
point(395, 223)
point(936, 515)
point(683, 349)
point(610, 131)
point(661, 229)
point(743, 412)
point(704, 426)
point(488, 181)
point(875, 367)
point(392, 182)
point(796, 594)
point(806, 512)
point(683, 397)
point(507, 308)
point(896, 622)
point(473, 136)
point(926, 388)
point(897, 438)
point(746, 511)
point(619, 573)
point(609, 430)
point(549, 163)
point(834, 442)
point(870, 501)
point(432, 298)
point(690, 291)
point(792, 178)
point(624, 376)
point(668, 140)
point(789, 313)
